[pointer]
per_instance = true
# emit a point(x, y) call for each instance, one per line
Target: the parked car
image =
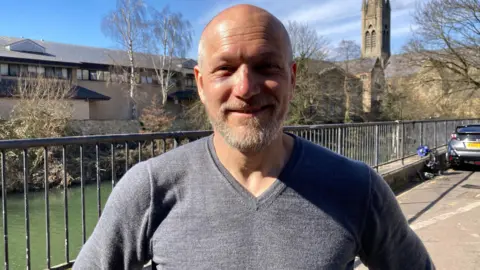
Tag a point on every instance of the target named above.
point(464, 146)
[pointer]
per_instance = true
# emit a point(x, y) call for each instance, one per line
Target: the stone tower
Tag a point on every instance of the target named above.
point(376, 29)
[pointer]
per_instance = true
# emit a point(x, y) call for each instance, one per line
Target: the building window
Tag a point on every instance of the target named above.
point(367, 41)
point(65, 73)
point(93, 75)
point(189, 82)
point(144, 79)
point(4, 69)
point(374, 39)
point(149, 80)
point(58, 72)
point(84, 74)
point(40, 71)
point(79, 74)
point(23, 70)
point(32, 70)
point(49, 72)
point(13, 70)
point(106, 76)
point(100, 76)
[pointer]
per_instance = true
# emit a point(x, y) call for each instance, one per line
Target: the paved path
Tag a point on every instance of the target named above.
point(445, 213)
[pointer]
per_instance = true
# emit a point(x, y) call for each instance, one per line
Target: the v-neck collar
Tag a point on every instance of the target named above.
point(272, 191)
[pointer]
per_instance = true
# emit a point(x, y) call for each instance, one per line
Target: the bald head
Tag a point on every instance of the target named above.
point(243, 17)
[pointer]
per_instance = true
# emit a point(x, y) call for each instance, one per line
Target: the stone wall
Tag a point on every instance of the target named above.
point(102, 127)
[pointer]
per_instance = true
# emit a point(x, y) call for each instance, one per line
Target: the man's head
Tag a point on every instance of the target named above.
point(246, 76)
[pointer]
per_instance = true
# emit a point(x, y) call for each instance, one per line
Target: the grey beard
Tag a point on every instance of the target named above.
point(254, 139)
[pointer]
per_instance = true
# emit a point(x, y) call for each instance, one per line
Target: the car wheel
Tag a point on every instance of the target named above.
point(457, 165)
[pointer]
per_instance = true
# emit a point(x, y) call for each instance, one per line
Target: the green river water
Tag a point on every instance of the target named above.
point(38, 255)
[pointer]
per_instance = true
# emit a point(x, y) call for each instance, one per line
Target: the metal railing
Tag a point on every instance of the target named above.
point(94, 159)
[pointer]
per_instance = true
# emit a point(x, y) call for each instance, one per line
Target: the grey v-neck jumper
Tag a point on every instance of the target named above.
point(184, 210)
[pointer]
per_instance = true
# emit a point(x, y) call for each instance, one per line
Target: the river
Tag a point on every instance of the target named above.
point(16, 225)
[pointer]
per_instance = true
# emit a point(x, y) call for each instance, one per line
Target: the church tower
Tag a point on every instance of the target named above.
point(376, 29)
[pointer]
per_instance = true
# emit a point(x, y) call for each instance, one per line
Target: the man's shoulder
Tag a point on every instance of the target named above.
point(329, 163)
point(167, 168)
point(187, 155)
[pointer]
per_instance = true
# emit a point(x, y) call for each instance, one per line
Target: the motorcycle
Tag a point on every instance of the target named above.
point(432, 164)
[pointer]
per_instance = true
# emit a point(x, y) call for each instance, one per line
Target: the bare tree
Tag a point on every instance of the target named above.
point(346, 51)
point(306, 43)
point(309, 50)
point(126, 25)
point(447, 40)
point(171, 38)
point(42, 110)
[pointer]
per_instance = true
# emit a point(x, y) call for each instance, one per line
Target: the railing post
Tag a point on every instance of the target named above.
point(26, 204)
point(339, 140)
point(446, 132)
point(376, 147)
point(4, 211)
point(435, 134)
point(403, 143)
point(175, 142)
point(397, 134)
point(421, 133)
point(47, 204)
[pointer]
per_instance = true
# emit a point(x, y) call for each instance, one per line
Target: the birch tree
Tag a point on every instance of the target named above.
point(126, 25)
point(171, 38)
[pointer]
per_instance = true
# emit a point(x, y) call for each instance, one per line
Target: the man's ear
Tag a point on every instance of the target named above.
point(199, 80)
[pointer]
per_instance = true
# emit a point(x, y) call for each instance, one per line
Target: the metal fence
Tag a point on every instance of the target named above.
point(94, 160)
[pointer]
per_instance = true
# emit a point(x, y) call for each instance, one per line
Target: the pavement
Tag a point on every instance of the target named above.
point(445, 214)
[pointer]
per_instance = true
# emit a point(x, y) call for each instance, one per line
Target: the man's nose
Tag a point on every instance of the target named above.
point(245, 85)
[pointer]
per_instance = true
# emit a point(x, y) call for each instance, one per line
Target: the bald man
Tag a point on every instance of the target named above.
point(250, 196)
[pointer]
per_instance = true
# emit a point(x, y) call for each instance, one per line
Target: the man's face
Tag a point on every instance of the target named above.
point(246, 82)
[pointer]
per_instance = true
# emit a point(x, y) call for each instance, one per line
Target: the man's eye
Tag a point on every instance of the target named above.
point(224, 69)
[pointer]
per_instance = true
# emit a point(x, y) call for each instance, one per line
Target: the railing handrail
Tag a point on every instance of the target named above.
point(376, 123)
point(121, 138)
point(92, 139)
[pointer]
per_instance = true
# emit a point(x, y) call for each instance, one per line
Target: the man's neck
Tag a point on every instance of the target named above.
point(255, 171)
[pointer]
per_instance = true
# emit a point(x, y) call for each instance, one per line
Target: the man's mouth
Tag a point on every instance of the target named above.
point(251, 110)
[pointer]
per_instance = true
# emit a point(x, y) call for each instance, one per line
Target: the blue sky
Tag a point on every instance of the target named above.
point(78, 21)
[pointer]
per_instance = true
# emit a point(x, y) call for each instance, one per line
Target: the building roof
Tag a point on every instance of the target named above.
point(76, 54)
point(357, 66)
point(400, 66)
point(79, 92)
point(317, 66)
point(8, 88)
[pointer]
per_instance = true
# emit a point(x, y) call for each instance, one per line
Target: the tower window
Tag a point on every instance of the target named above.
point(374, 39)
point(368, 42)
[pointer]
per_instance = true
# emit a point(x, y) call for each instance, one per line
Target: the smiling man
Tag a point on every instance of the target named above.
point(250, 196)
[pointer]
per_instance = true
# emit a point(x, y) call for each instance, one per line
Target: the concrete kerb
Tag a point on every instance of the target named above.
point(399, 176)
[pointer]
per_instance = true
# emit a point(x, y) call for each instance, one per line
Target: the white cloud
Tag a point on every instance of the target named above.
point(339, 29)
point(325, 11)
point(403, 31)
point(334, 19)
